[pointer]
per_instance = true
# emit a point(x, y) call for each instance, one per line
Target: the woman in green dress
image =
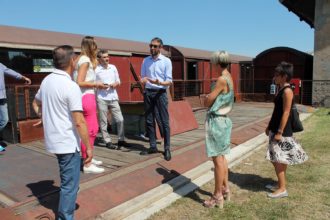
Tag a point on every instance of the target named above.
point(218, 128)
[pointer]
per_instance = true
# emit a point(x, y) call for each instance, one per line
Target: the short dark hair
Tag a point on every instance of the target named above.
point(285, 69)
point(158, 40)
point(62, 56)
point(100, 52)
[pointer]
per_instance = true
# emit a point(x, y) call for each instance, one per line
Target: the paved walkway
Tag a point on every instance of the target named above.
point(29, 177)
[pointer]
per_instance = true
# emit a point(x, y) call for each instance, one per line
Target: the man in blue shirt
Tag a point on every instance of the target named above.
point(3, 98)
point(156, 76)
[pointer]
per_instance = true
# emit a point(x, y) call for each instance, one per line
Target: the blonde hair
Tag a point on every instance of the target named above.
point(220, 57)
point(89, 48)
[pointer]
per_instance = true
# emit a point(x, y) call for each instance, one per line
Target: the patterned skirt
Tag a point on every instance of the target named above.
point(287, 151)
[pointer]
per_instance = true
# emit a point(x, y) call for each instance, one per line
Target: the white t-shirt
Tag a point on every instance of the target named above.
point(90, 75)
point(60, 96)
point(108, 76)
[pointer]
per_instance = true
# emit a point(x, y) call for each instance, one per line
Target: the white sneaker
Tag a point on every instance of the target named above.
point(93, 169)
point(96, 162)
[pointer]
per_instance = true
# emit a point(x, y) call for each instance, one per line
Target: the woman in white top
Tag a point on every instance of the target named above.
point(85, 78)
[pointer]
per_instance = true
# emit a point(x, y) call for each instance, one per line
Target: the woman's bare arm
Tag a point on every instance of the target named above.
point(82, 72)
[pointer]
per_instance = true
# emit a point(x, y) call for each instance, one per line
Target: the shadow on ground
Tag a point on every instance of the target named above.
point(170, 174)
point(251, 182)
point(47, 194)
point(134, 146)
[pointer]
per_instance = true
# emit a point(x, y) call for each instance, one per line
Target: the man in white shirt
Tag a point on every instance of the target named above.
point(107, 99)
point(59, 103)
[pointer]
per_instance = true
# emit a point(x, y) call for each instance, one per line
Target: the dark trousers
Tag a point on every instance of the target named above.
point(159, 123)
point(156, 103)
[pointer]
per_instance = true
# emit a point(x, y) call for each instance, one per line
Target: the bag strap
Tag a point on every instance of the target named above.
point(282, 90)
point(293, 104)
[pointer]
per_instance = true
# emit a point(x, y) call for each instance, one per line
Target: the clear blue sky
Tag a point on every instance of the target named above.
point(244, 27)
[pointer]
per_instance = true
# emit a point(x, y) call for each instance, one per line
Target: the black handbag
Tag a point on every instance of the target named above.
point(296, 124)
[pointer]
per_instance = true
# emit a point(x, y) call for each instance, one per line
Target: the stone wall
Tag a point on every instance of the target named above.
point(321, 93)
point(321, 67)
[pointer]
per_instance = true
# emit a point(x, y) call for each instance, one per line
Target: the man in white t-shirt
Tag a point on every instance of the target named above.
point(107, 99)
point(58, 101)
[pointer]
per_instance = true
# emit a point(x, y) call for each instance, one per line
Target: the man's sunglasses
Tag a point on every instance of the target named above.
point(153, 46)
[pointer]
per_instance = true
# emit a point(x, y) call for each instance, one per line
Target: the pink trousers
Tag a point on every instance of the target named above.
point(90, 114)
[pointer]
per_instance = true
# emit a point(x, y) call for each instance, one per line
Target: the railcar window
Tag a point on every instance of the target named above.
point(192, 73)
point(27, 61)
point(42, 65)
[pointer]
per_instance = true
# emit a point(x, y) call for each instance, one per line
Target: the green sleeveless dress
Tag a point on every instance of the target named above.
point(217, 125)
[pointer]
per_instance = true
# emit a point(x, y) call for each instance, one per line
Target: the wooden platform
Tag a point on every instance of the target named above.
point(32, 187)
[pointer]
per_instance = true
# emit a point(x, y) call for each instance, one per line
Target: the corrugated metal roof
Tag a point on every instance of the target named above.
point(205, 54)
point(17, 37)
point(50, 39)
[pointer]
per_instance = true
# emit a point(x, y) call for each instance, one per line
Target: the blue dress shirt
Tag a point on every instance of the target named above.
point(160, 68)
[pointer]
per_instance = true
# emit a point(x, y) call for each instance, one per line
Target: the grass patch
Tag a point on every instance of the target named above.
point(308, 184)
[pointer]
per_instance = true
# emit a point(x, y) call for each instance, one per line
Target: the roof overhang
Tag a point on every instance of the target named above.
point(304, 9)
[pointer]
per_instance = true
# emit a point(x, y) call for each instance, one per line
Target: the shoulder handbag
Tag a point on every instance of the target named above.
point(296, 124)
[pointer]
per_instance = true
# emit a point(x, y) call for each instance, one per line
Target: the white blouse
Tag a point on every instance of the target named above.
point(90, 76)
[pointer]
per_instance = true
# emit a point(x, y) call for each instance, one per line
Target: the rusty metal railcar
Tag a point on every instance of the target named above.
point(29, 52)
point(265, 63)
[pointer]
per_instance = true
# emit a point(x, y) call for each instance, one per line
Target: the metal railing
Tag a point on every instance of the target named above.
point(245, 90)
point(259, 90)
point(20, 97)
point(186, 88)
